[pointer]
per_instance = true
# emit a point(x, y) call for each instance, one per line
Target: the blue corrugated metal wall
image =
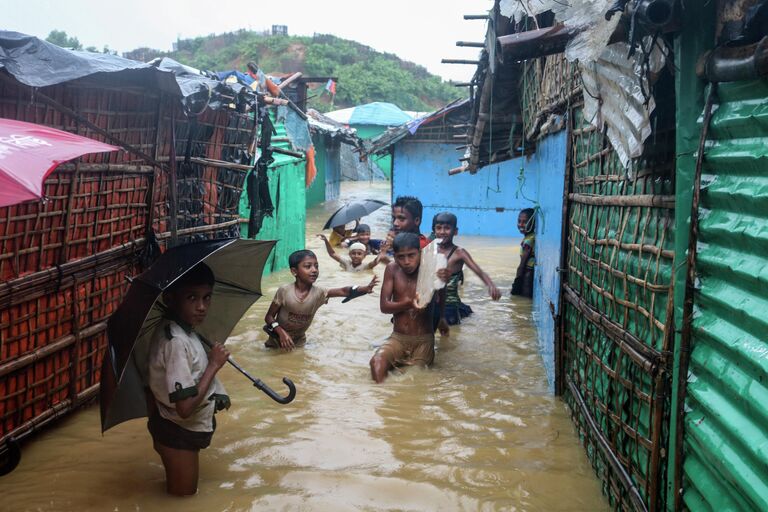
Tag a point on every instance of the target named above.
point(726, 423)
point(332, 169)
point(549, 159)
point(485, 203)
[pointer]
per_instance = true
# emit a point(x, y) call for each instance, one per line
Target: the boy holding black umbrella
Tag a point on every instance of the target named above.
point(182, 378)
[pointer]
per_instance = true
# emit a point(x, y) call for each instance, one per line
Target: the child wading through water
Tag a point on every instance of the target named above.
point(363, 235)
point(445, 228)
point(413, 338)
point(406, 218)
point(182, 378)
point(353, 262)
point(295, 304)
point(523, 283)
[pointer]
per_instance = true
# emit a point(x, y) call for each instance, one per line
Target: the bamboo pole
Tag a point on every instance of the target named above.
point(645, 356)
point(471, 44)
point(476, 16)
point(460, 61)
point(482, 116)
point(647, 200)
point(285, 83)
point(605, 447)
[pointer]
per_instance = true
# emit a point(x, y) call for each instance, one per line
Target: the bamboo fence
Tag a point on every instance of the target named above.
point(64, 260)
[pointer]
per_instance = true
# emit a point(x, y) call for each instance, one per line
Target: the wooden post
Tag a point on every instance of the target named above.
point(173, 204)
point(460, 61)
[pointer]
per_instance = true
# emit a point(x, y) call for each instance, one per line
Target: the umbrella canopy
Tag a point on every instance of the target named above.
point(378, 113)
point(353, 211)
point(237, 266)
point(30, 152)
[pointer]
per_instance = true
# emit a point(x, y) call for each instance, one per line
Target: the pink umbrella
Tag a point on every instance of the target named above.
point(30, 152)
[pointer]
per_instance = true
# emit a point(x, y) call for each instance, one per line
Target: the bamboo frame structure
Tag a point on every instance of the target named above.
point(64, 260)
point(614, 352)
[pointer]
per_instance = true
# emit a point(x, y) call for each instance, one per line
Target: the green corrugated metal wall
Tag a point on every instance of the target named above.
point(726, 422)
point(288, 222)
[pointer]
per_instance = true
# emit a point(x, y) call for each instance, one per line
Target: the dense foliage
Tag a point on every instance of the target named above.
point(364, 74)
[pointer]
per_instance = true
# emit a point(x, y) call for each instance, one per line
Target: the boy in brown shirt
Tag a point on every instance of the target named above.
point(295, 304)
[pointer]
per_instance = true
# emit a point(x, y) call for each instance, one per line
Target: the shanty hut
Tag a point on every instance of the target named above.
point(370, 120)
point(186, 147)
point(650, 285)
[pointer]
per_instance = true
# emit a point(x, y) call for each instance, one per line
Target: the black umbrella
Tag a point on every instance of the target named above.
point(353, 211)
point(237, 266)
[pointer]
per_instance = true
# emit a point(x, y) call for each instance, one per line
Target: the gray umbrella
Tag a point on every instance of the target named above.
point(353, 211)
point(237, 266)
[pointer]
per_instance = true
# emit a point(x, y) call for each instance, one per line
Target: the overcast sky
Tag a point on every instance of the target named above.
point(422, 31)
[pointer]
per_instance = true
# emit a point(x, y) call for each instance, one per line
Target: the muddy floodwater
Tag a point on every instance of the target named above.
point(478, 431)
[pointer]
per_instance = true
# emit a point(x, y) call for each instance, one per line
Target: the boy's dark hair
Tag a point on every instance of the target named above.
point(531, 224)
point(198, 275)
point(444, 218)
point(410, 204)
point(297, 256)
point(405, 241)
point(363, 228)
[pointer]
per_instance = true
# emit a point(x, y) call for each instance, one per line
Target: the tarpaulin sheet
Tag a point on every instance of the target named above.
point(38, 63)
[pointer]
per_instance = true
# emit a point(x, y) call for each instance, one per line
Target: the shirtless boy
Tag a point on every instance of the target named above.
point(413, 338)
point(445, 228)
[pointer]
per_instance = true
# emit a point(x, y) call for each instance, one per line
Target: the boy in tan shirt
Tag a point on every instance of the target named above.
point(295, 304)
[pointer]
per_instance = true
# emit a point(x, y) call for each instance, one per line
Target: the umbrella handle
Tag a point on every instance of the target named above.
point(273, 395)
point(266, 389)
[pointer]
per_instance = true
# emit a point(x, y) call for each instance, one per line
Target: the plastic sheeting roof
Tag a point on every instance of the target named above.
point(377, 113)
point(38, 63)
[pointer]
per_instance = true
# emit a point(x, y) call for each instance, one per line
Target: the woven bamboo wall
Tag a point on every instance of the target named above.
point(64, 260)
point(547, 86)
point(615, 343)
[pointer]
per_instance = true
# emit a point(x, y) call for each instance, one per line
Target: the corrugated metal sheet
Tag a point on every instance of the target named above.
point(726, 423)
point(550, 153)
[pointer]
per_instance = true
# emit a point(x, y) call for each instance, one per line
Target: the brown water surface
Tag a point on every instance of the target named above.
point(478, 431)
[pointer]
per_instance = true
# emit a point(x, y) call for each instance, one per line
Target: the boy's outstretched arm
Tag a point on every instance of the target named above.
point(286, 342)
point(348, 291)
point(328, 247)
point(492, 290)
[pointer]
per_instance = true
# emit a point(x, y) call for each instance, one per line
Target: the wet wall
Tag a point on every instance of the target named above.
point(549, 159)
point(486, 203)
point(328, 179)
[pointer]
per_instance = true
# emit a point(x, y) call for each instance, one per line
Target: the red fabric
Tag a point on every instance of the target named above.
point(423, 241)
point(30, 152)
point(311, 170)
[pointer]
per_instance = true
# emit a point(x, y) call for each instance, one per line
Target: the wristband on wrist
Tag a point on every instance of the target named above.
point(274, 325)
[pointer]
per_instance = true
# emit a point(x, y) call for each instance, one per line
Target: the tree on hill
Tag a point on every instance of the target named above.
point(364, 74)
point(60, 38)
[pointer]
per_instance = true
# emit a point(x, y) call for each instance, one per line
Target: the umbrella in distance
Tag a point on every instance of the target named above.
point(353, 211)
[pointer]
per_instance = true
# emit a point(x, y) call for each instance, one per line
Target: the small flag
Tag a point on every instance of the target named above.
point(330, 86)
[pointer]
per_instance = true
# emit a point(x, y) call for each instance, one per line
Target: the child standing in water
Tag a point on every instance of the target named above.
point(363, 235)
point(413, 338)
point(445, 228)
point(182, 378)
point(406, 218)
point(353, 262)
point(523, 283)
point(295, 304)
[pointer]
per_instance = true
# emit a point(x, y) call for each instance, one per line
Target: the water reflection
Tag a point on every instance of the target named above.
point(478, 431)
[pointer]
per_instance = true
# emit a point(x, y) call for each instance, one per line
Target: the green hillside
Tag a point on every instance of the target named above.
point(364, 74)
